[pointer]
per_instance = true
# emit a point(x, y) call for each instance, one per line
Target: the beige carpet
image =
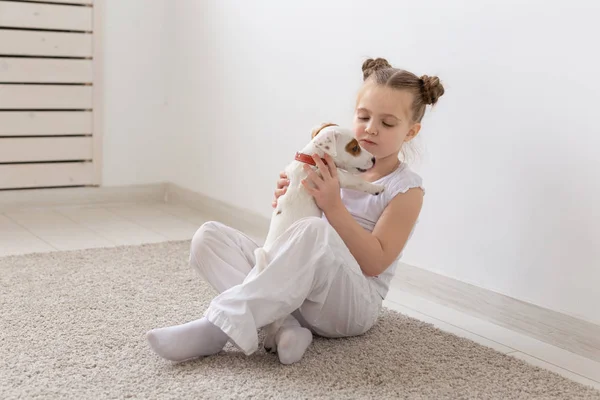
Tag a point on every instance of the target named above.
point(73, 324)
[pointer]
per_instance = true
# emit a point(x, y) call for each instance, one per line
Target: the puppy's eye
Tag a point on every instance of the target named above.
point(353, 148)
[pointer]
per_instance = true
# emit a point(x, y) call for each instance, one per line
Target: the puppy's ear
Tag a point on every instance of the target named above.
point(326, 141)
point(318, 129)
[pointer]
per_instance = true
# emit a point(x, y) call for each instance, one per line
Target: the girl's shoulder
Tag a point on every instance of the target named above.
point(367, 209)
point(400, 181)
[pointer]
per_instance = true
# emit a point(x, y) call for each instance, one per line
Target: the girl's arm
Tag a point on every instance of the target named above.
point(374, 251)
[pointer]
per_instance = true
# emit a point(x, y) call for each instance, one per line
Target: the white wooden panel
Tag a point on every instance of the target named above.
point(20, 97)
point(45, 16)
point(45, 70)
point(14, 176)
point(64, 1)
point(45, 149)
point(38, 123)
point(55, 44)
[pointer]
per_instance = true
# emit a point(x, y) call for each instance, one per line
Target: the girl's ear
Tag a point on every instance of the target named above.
point(413, 132)
point(318, 129)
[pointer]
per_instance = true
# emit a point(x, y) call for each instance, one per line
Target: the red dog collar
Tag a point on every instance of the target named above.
point(305, 158)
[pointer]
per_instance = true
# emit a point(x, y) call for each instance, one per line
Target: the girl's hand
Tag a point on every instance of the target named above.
point(325, 190)
point(282, 185)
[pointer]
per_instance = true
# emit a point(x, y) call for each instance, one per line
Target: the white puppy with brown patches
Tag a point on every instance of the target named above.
point(350, 159)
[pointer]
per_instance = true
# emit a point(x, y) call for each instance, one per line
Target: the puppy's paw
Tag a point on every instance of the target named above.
point(376, 190)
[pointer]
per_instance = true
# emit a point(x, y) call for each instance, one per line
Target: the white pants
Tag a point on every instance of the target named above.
point(311, 275)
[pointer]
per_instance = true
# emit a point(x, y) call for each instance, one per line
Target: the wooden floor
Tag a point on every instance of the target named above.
point(69, 228)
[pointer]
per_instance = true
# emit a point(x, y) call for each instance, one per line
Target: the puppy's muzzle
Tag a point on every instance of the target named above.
point(364, 170)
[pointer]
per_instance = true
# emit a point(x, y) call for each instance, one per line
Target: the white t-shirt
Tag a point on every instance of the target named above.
point(366, 210)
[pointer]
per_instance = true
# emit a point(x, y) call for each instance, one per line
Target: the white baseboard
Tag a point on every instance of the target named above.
point(561, 330)
point(57, 197)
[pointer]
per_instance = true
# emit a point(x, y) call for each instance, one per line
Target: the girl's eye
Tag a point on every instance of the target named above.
point(363, 118)
point(388, 125)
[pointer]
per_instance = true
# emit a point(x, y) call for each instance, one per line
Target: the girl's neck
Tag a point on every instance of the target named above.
point(383, 166)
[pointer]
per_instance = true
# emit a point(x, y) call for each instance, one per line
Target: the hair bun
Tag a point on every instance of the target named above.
point(372, 65)
point(432, 89)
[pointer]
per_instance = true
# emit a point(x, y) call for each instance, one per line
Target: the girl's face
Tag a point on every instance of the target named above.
point(383, 120)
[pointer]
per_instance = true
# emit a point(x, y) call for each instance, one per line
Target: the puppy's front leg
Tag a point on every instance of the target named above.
point(349, 181)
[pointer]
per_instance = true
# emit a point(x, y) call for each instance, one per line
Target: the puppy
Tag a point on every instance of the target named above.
point(349, 158)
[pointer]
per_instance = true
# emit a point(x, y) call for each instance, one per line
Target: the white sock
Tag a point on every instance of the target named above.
point(292, 342)
point(190, 340)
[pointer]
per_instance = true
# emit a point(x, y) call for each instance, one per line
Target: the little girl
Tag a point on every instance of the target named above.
point(327, 275)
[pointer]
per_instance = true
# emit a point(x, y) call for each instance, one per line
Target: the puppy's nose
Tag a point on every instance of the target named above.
point(373, 159)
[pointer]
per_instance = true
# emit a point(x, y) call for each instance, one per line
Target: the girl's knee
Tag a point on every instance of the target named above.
point(209, 230)
point(202, 239)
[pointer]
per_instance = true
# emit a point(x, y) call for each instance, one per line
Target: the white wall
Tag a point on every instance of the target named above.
point(510, 159)
point(135, 69)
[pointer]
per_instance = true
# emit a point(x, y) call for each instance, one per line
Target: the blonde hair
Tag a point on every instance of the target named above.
point(426, 90)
